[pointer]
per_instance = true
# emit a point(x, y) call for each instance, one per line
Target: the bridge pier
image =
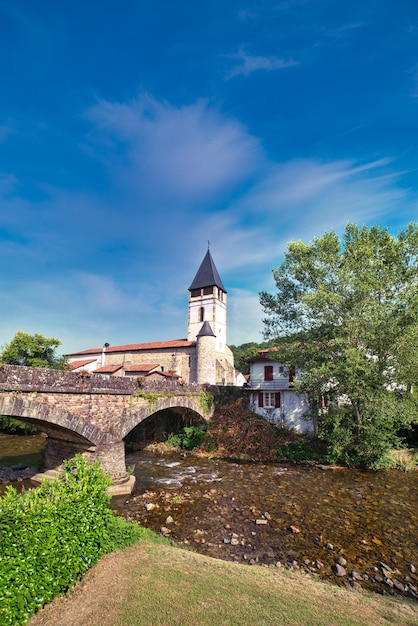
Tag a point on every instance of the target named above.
point(111, 456)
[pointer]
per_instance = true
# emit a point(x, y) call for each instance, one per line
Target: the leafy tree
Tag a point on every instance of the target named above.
point(33, 351)
point(246, 350)
point(349, 310)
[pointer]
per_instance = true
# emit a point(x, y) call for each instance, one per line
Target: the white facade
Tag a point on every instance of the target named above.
point(272, 396)
point(209, 305)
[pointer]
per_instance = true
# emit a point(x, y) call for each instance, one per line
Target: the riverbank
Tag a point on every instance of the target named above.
point(156, 585)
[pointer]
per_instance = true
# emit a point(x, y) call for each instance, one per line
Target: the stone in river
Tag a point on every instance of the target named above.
point(339, 570)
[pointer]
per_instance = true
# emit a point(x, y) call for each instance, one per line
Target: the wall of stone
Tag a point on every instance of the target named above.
point(16, 377)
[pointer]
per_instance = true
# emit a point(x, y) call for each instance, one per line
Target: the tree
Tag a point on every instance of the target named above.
point(33, 351)
point(349, 310)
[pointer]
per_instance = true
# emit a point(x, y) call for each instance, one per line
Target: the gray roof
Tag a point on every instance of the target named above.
point(207, 275)
point(206, 330)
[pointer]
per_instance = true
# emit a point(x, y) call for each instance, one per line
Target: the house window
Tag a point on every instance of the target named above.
point(268, 372)
point(269, 399)
point(202, 314)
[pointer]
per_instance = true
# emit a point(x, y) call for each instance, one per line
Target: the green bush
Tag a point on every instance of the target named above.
point(11, 425)
point(190, 437)
point(51, 535)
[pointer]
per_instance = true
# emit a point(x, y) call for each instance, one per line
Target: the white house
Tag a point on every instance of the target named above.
point(273, 397)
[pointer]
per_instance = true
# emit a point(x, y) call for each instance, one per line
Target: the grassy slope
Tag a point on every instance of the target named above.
point(163, 586)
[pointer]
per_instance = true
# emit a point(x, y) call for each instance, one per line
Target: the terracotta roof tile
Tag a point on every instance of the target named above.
point(107, 369)
point(81, 363)
point(132, 347)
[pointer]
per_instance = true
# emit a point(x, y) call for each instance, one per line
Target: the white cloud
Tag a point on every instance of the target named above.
point(247, 64)
point(188, 152)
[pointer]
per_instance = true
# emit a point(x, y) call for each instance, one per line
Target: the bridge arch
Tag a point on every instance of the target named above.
point(190, 403)
point(50, 419)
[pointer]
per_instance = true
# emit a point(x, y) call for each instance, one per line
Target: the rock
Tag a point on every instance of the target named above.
point(329, 546)
point(385, 567)
point(319, 564)
point(356, 576)
point(294, 529)
point(260, 521)
point(165, 531)
point(169, 520)
point(389, 582)
point(150, 506)
point(339, 570)
point(412, 568)
point(267, 515)
point(355, 585)
point(341, 561)
point(234, 541)
point(398, 585)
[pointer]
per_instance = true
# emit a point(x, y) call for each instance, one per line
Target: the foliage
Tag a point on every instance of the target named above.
point(33, 351)
point(11, 425)
point(245, 351)
point(295, 451)
point(190, 437)
point(51, 535)
point(206, 399)
point(346, 313)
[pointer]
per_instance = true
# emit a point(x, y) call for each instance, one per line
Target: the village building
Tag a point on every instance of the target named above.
point(202, 357)
point(272, 395)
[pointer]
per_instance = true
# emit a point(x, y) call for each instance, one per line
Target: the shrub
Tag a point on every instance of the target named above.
point(190, 437)
point(51, 535)
point(12, 425)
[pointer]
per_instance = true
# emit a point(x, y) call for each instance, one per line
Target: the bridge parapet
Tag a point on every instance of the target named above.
point(41, 380)
point(20, 378)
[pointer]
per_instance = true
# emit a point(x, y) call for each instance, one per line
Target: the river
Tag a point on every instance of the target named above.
point(281, 515)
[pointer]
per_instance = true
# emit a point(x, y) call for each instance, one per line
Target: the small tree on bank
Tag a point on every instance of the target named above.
point(346, 313)
point(33, 351)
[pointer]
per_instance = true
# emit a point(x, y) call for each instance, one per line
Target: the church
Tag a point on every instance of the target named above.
point(203, 357)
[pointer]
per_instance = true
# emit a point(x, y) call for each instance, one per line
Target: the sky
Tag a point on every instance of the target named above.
point(133, 133)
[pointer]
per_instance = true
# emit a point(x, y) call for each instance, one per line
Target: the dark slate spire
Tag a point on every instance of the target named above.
point(206, 330)
point(207, 275)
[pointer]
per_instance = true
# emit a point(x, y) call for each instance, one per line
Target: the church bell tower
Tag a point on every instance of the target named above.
point(207, 303)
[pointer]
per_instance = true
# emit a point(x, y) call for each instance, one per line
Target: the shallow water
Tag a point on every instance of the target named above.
point(286, 513)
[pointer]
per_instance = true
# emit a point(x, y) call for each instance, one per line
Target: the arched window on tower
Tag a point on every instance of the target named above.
point(202, 314)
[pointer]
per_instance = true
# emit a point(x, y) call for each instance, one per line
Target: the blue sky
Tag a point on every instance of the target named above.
point(132, 133)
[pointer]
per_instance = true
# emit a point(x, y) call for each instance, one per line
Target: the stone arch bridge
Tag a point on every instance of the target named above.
point(91, 414)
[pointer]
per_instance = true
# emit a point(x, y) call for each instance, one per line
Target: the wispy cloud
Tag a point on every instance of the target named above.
point(248, 64)
point(190, 151)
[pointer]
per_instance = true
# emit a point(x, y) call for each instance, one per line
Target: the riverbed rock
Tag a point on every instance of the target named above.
point(329, 546)
point(339, 570)
point(341, 561)
point(169, 520)
point(412, 568)
point(294, 529)
point(150, 506)
point(260, 521)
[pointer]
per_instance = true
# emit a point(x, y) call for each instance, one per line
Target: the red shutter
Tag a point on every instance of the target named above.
point(268, 372)
point(277, 400)
point(260, 398)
